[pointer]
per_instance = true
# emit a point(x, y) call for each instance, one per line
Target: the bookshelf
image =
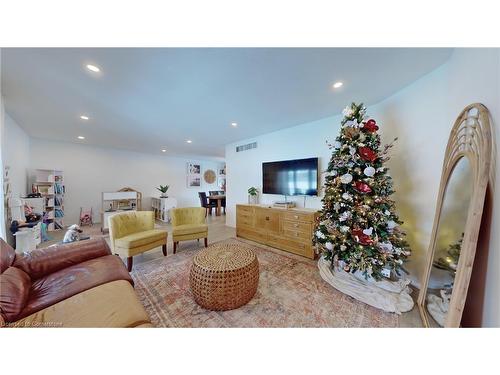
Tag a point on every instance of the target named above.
point(162, 206)
point(50, 184)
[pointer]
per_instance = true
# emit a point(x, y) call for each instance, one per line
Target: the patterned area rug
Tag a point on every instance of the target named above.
point(291, 293)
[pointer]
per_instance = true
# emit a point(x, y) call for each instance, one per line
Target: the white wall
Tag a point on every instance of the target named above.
point(2, 117)
point(89, 171)
point(16, 155)
point(244, 169)
point(421, 115)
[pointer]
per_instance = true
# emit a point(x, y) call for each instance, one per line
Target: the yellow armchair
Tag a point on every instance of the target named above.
point(188, 224)
point(133, 233)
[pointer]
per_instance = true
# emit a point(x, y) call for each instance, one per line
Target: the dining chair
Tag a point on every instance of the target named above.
point(223, 203)
point(206, 203)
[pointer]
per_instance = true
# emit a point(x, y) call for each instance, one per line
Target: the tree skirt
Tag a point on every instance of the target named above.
point(385, 295)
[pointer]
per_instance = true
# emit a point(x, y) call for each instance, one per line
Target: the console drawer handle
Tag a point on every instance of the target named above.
point(296, 216)
point(296, 225)
point(267, 217)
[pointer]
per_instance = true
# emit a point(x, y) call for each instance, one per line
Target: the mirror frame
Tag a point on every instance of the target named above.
point(470, 137)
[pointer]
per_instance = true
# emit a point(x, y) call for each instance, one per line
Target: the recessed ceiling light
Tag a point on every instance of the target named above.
point(338, 84)
point(84, 117)
point(234, 124)
point(163, 150)
point(81, 137)
point(93, 68)
point(189, 141)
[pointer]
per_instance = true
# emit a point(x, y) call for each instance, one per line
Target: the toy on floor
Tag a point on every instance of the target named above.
point(73, 234)
point(86, 216)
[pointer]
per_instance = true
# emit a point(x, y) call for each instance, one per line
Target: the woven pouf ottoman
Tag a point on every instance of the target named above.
point(224, 276)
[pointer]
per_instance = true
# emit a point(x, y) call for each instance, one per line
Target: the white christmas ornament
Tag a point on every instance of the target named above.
point(346, 178)
point(352, 150)
point(347, 196)
point(329, 246)
point(386, 246)
point(320, 234)
point(337, 145)
point(344, 229)
point(369, 171)
point(347, 112)
point(343, 247)
point(334, 172)
point(345, 216)
point(368, 231)
point(391, 224)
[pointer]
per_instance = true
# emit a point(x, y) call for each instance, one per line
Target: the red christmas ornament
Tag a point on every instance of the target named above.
point(370, 126)
point(367, 154)
point(362, 238)
point(362, 187)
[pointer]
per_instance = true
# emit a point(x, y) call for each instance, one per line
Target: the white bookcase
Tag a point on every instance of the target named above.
point(50, 184)
point(162, 207)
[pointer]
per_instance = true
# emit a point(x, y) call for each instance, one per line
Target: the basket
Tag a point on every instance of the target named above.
point(224, 276)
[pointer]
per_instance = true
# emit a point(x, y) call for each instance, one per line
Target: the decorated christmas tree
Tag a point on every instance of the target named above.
point(358, 227)
point(450, 261)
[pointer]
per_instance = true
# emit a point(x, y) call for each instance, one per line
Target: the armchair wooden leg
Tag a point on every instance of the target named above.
point(164, 250)
point(175, 246)
point(206, 242)
point(129, 263)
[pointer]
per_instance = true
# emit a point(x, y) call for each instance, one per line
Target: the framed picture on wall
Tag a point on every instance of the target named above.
point(193, 175)
point(221, 183)
point(193, 180)
point(193, 168)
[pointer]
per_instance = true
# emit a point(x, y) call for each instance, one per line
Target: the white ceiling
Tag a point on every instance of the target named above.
point(150, 99)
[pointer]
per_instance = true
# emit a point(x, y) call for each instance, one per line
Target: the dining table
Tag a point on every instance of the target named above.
point(219, 199)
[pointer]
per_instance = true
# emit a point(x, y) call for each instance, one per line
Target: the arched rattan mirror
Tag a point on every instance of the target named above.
point(457, 221)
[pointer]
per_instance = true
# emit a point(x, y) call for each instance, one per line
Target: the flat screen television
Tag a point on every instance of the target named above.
point(290, 177)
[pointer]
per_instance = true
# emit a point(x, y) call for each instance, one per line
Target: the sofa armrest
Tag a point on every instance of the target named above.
point(41, 262)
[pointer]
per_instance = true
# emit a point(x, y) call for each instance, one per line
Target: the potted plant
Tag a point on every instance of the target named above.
point(253, 195)
point(163, 190)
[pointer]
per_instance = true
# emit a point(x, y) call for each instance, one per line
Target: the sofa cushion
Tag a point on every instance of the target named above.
point(184, 229)
point(41, 262)
point(7, 255)
point(141, 238)
point(113, 304)
point(69, 281)
point(14, 293)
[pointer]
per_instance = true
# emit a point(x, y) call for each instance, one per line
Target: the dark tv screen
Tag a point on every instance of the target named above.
point(290, 177)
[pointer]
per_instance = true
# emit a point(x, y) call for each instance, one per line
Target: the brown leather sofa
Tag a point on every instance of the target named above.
point(72, 285)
